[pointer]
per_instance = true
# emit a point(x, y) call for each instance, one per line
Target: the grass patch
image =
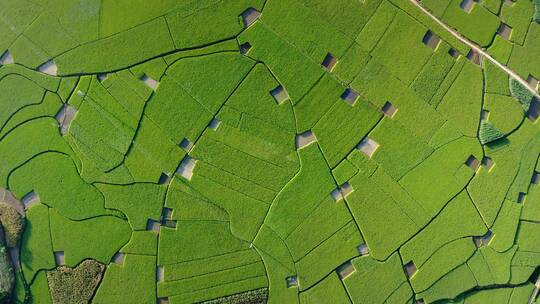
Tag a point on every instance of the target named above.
point(479, 25)
point(72, 237)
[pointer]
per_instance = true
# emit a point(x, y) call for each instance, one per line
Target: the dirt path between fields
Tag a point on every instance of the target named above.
point(475, 47)
point(535, 291)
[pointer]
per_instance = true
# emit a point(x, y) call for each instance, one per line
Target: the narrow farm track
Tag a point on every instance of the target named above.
point(476, 47)
point(535, 291)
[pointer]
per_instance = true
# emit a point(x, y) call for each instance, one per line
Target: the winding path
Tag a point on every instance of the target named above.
point(476, 47)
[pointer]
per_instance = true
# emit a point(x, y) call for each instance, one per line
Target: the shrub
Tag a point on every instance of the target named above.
point(521, 93)
point(359, 283)
point(257, 296)
point(496, 79)
point(504, 112)
point(73, 237)
point(537, 11)
point(488, 132)
point(463, 100)
point(75, 285)
point(13, 224)
point(7, 275)
point(433, 74)
point(518, 17)
point(478, 25)
point(403, 33)
point(132, 282)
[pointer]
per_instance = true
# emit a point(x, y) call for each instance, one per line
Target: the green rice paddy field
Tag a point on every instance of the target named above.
point(269, 151)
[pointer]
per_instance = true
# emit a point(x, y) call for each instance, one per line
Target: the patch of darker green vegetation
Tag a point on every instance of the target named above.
point(75, 285)
point(537, 11)
point(7, 273)
point(521, 93)
point(259, 296)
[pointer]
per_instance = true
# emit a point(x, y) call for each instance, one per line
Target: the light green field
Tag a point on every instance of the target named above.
point(269, 151)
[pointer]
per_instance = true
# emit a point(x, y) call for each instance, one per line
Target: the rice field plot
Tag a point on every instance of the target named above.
point(266, 151)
